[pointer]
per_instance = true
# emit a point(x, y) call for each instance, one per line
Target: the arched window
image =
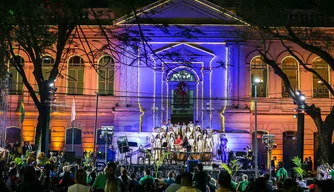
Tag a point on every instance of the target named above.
point(319, 89)
point(290, 68)
point(106, 75)
point(75, 76)
point(259, 71)
point(182, 75)
point(76, 135)
point(16, 82)
point(47, 64)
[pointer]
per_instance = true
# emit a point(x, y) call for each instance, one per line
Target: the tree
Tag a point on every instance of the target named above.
point(295, 23)
point(35, 26)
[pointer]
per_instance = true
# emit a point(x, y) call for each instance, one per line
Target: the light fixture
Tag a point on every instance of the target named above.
point(257, 80)
point(51, 84)
point(302, 97)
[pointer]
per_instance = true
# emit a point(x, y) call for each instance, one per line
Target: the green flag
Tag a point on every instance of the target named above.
point(22, 111)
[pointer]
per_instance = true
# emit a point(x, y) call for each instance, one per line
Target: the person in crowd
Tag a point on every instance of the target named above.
point(31, 158)
point(325, 186)
point(12, 179)
point(42, 159)
point(3, 187)
point(147, 179)
point(200, 178)
point(300, 182)
point(175, 186)
point(224, 181)
point(281, 174)
point(138, 188)
point(114, 184)
point(290, 185)
point(133, 182)
point(30, 182)
point(211, 184)
point(66, 179)
point(312, 185)
point(269, 185)
point(100, 182)
point(170, 180)
point(273, 166)
point(187, 183)
point(80, 182)
point(242, 186)
point(125, 180)
point(331, 173)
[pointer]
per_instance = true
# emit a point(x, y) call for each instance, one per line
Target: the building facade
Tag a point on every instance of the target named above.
point(203, 75)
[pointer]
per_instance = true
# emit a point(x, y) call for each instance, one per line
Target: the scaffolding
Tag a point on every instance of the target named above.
point(4, 91)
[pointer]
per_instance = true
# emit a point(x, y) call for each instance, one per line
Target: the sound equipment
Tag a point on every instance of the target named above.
point(191, 164)
point(123, 144)
point(69, 156)
point(100, 164)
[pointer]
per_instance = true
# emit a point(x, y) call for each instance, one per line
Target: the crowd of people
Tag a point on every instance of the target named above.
point(48, 174)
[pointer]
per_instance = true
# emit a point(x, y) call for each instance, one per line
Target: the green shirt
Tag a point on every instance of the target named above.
point(332, 174)
point(281, 173)
point(147, 179)
point(100, 182)
point(242, 186)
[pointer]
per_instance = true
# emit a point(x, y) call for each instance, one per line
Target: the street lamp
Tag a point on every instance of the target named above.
point(300, 102)
point(256, 82)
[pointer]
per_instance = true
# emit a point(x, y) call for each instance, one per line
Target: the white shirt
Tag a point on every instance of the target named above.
point(78, 188)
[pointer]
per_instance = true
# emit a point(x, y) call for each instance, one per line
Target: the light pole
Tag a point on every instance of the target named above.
point(256, 82)
point(95, 122)
point(300, 101)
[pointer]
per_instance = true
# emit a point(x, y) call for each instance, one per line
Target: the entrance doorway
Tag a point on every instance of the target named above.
point(182, 107)
point(262, 153)
point(289, 144)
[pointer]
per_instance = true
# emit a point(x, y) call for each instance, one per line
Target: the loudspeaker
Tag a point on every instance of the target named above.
point(69, 156)
point(123, 144)
point(191, 164)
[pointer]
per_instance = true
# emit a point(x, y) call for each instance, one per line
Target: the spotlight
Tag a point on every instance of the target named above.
point(298, 92)
point(51, 84)
point(302, 97)
point(294, 116)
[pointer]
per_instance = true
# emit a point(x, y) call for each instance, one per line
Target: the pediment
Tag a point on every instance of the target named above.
point(184, 52)
point(184, 12)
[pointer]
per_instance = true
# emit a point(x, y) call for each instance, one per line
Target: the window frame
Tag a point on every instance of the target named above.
point(296, 68)
point(70, 136)
point(76, 67)
point(110, 70)
point(19, 86)
point(264, 85)
point(325, 69)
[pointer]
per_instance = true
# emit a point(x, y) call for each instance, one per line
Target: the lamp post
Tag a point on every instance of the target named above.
point(300, 101)
point(95, 121)
point(256, 82)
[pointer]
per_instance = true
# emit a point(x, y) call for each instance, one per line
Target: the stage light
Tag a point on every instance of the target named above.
point(302, 97)
point(294, 116)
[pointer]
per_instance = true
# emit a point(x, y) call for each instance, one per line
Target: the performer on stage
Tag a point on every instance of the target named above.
point(191, 142)
point(164, 126)
point(184, 127)
point(163, 141)
point(171, 142)
point(223, 148)
point(199, 145)
point(205, 133)
point(208, 143)
point(157, 144)
point(198, 126)
point(191, 126)
point(249, 157)
point(188, 132)
point(198, 132)
point(216, 143)
point(169, 125)
point(178, 142)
